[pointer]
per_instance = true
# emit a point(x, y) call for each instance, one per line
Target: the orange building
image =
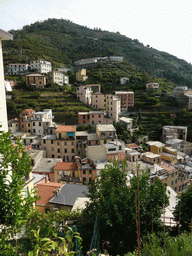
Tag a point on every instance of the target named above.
point(38, 81)
point(23, 119)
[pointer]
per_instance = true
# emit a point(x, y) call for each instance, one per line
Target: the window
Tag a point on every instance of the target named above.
point(26, 192)
point(65, 150)
point(119, 147)
point(51, 141)
point(33, 130)
point(28, 125)
point(52, 149)
point(57, 143)
point(22, 126)
point(84, 172)
point(59, 135)
point(39, 123)
point(172, 182)
point(176, 189)
point(176, 181)
point(52, 156)
point(58, 150)
point(72, 150)
point(44, 141)
point(111, 149)
point(65, 143)
point(33, 123)
point(72, 143)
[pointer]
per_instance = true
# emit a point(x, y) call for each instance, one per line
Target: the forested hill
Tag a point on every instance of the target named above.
point(63, 42)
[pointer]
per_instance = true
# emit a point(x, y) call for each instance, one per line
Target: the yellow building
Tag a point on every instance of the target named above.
point(167, 153)
point(81, 75)
point(106, 133)
point(62, 144)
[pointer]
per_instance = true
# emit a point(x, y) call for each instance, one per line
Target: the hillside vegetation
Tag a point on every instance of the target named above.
point(63, 42)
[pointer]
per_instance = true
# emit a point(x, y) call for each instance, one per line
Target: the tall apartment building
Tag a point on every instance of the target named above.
point(25, 119)
point(81, 75)
point(84, 94)
point(41, 121)
point(57, 77)
point(113, 107)
point(3, 108)
point(42, 66)
point(62, 144)
point(98, 100)
point(18, 68)
point(127, 100)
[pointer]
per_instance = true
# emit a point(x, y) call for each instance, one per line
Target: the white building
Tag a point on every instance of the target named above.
point(41, 121)
point(124, 80)
point(3, 108)
point(84, 94)
point(152, 86)
point(57, 77)
point(18, 68)
point(42, 66)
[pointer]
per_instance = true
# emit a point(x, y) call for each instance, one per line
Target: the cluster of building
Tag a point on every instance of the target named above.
point(64, 159)
point(113, 105)
point(183, 96)
point(43, 76)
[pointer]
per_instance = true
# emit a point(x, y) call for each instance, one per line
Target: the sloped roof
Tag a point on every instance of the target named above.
point(69, 194)
point(45, 191)
point(65, 166)
point(66, 128)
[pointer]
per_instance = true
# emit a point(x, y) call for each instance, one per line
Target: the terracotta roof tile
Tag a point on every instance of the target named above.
point(45, 191)
point(133, 145)
point(66, 128)
point(65, 166)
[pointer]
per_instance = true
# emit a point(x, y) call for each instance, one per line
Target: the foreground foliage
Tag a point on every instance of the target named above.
point(177, 246)
point(114, 203)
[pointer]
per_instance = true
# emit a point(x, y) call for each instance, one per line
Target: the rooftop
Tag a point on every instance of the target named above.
point(37, 177)
point(124, 92)
point(69, 194)
point(45, 191)
point(151, 155)
point(105, 128)
point(66, 128)
point(34, 75)
point(155, 143)
point(46, 165)
point(5, 35)
point(132, 145)
point(126, 119)
point(65, 166)
point(81, 133)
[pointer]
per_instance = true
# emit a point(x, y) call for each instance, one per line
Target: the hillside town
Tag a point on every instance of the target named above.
point(67, 158)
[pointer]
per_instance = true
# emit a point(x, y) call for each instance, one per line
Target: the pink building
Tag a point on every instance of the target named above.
point(93, 117)
point(127, 100)
point(98, 100)
point(84, 94)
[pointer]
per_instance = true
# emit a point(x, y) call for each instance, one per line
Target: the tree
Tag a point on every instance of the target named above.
point(183, 209)
point(14, 171)
point(114, 203)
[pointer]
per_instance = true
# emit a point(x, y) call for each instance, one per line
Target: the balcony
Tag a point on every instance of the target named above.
point(68, 178)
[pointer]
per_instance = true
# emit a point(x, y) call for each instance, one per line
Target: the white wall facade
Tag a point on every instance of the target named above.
point(3, 107)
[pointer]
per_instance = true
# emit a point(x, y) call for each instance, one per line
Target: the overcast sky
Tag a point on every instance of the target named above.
point(165, 25)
